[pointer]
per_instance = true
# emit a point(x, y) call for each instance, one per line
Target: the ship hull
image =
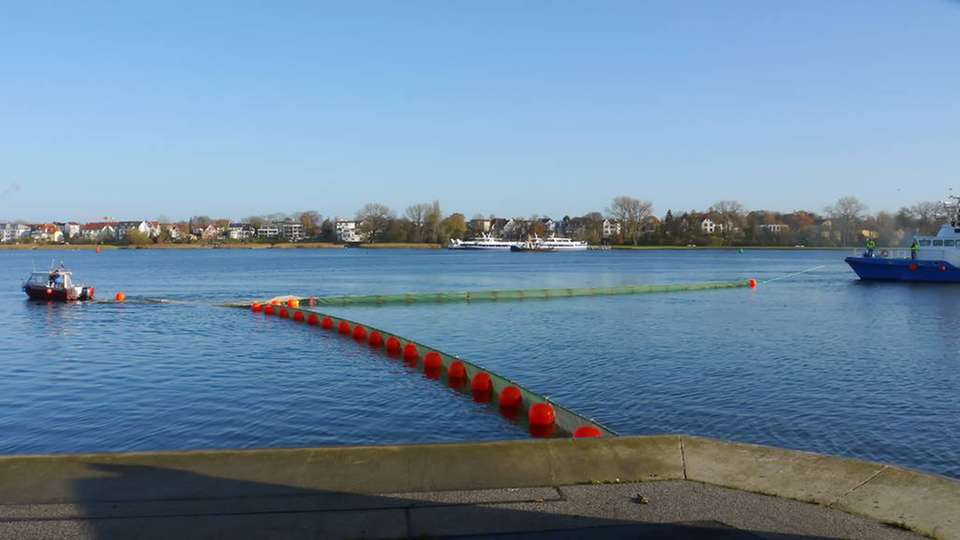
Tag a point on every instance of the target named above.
point(56, 294)
point(909, 270)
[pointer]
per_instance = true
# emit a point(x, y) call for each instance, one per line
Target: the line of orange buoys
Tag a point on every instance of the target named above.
point(541, 416)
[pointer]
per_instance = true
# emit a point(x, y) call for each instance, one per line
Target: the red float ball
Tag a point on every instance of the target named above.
point(393, 345)
point(327, 323)
point(359, 333)
point(410, 352)
point(752, 283)
point(481, 383)
point(313, 320)
point(542, 414)
point(343, 327)
point(298, 316)
point(268, 310)
point(511, 398)
point(284, 313)
point(432, 361)
point(256, 307)
point(457, 370)
point(376, 339)
point(587, 431)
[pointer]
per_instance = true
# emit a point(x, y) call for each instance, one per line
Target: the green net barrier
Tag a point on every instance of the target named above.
point(517, 294)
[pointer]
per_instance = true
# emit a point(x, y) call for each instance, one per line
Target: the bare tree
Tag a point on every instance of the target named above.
point(732, 215)
point(417, 214)
point(926, 214)
point(846, 214)
point(374, 220)
point(631, 213)
point(310, 221)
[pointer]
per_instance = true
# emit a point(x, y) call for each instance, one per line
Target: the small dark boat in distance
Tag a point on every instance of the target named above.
point(56, 285)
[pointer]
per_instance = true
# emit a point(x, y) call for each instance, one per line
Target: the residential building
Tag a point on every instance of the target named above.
point(611, 229)
point(268, 230)
point(480, 226)
point(211, 233)
point(124, 227)
point(46, 232)
point(708, 226)
point(292, 231)
point(241, 231)
point(13, 232)
point(99, 231)
point(774, 227)
point(70, 229)
point(347, 231)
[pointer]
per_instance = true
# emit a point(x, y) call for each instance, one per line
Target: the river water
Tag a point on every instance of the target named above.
point(814, 361)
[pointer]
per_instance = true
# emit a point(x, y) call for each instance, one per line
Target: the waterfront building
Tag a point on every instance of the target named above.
point(347, 231)
point(99, 231)
point(291, 231)
point(46, 232)
point(13, 232)
point(268, 230)
point(241, 231)
point(611, 229)
point(709, 226)
point(776, 228)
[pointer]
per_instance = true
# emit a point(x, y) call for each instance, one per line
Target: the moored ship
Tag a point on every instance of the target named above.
point(551, 244)
point(930, 258)
point(484, 242)
point(56, 285)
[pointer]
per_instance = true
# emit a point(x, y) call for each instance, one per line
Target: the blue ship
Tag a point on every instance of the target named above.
point(937, 261)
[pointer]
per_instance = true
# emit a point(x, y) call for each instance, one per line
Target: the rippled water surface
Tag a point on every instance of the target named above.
point(816, 361)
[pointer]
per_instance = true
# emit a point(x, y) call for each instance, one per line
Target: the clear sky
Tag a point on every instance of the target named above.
point(509, 107)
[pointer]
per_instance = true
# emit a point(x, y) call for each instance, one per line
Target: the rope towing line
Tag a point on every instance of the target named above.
point(542, 417)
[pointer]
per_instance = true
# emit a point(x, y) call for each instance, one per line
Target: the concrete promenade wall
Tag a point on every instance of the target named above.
point(925, 503)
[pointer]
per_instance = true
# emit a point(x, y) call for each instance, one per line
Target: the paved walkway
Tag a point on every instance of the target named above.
point(655, 487)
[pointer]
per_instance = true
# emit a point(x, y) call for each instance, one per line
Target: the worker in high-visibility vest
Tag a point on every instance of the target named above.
point(914, 249)
point(871, 245)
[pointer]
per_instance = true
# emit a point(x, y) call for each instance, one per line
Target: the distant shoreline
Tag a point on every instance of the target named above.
point(398, 245)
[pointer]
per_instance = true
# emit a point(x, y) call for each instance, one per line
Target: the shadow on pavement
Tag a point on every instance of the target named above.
point(124, 501)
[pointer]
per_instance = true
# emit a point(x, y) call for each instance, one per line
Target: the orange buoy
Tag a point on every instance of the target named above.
point(327, 323)
point(268, 310)
point(510, 399)
point(284, 313)
point(359, 333)
point(256, 307)
point(410, 352)
point(313, 320)
point(298, 316)
point(481, 382)
point(275, 302)
point(376, 339)
point(432, 360)
point(98, 250)
point(583, 432)
point(542, 414)
point(393, 345)
point(457, 370)
point(752, 283)
point(343, 327)
point(120, 297)
point(293, 302)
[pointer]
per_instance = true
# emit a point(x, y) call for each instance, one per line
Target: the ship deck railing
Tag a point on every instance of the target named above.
point(883, 253)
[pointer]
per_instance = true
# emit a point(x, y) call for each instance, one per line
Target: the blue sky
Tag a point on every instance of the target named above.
point(515, 108)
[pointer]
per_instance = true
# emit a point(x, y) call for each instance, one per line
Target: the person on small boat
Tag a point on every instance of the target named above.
point(914, 249)
point(871, 245)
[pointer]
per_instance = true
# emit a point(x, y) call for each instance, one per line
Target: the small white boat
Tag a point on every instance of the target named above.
point(483, 243)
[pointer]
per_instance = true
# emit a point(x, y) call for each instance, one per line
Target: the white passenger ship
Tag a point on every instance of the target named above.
point(484, 243)
point(553, 243)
